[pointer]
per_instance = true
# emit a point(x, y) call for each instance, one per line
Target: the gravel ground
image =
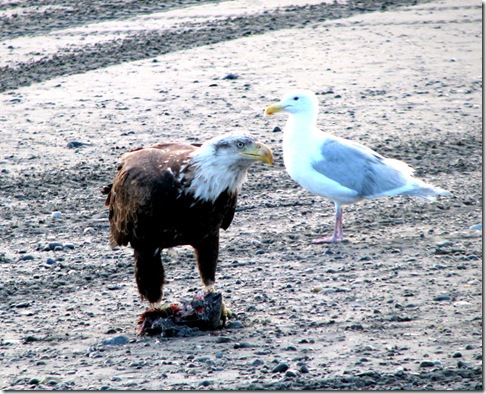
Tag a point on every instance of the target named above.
point(398, 305)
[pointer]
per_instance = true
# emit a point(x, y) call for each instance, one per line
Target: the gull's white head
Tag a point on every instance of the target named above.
point(296, 102)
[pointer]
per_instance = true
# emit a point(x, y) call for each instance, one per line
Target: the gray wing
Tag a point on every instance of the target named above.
point(357, 167)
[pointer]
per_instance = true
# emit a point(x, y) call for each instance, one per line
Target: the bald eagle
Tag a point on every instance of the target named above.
point(342, 170)
point(173, 194)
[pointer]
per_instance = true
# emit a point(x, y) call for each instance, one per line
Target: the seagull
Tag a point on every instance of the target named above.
point(342, 170)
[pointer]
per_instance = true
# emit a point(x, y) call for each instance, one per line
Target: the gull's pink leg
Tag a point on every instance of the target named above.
point(338, 234)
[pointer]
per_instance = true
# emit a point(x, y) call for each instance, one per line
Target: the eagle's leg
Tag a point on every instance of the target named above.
point(207, 251)
point(338, 233)
point(149, 274)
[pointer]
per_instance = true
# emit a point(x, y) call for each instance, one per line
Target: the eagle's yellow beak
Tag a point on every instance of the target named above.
point(260, 152)
point(274, 108)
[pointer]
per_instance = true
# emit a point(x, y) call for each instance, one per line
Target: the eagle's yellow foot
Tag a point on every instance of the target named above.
point(154, 306)
point(209, 288)
point(226, 312)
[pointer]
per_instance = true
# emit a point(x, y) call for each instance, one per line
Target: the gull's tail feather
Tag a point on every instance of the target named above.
point(427, 192)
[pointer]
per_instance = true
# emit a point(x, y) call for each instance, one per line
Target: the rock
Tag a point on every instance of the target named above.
point(399, 371)
point(469, 347)
point(355, 327)
point(427, 364)
point(478, 227)
point(281, 367)
point(457, 354)
point(224, 340)
point(257, 362)
point(118, 340)
point(56, 214)
point(231, 76)
point(277, 129)
point(234, 324)
point(291, 373)
point(206, 383)
point(27, 257)
point(304, 369)
point(242, 345)
point(55, 246)
point(442, 297)
point(76, 144)
point(443, 244)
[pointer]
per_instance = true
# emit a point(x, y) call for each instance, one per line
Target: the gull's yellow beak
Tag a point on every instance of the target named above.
point(274, 108)
point(259, 151)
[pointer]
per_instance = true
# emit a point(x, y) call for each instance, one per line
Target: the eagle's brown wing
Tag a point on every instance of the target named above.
point(146, 183)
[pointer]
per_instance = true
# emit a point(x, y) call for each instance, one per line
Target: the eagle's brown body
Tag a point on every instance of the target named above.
point(152, 207)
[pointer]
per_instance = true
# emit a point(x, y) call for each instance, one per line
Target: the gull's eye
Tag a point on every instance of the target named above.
point(296, 98)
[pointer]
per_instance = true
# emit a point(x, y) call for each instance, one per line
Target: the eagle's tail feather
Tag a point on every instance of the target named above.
point(149, 274)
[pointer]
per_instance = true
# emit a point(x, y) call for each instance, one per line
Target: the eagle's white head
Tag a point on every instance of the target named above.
point(222, 162)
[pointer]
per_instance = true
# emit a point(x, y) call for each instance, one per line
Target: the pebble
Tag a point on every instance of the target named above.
point(276, 129)
point(439, 267)
point(427, 364)
point(328, 291)
point(304, 369)
point(282, 367)
point(27, 257)
point(223, 340)
point(469, 347)
point(457, 355)
point(50, 260)
point(291, 373)
point(257, 362)
point(242, 345)
point(52, 246)
point(442, 297)
point(231, 76)
point(75, 144)
point(206, 383)
point(443, 244)
point(118, 340)
point(56, 214)
point(235, 324)
point(478, 227)
point(399, 371)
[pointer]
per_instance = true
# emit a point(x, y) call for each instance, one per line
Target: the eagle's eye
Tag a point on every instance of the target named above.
point(240, 145)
